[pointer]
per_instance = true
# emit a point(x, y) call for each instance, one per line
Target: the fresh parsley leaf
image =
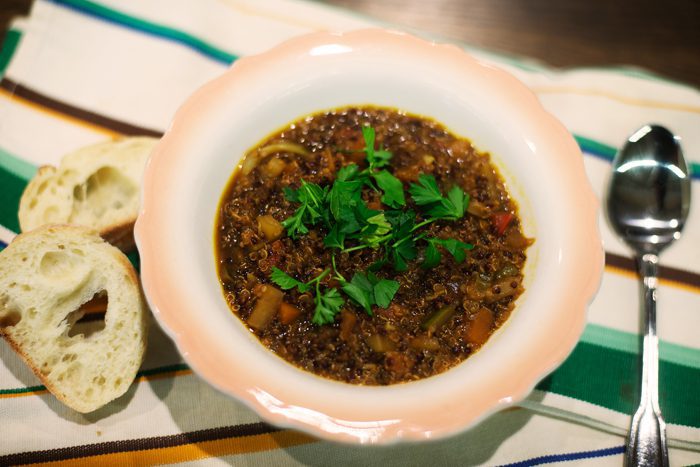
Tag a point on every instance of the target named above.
point(380, 228)
point(295, 224)
point(291, 194)
point(384, 291)
point(401, 247)
point(368, 290)
point(359, 289)
point(431, 256)
point(335, 238)
point(392, 188)
point(312, 210)
point(456, 248)
point(342, 197)
point(347, 172)
point(328, 305)
point(426, 191)
point(286, 282)
point(375, 158)
point(452, 207)
point(427, 194)
point(402, 252)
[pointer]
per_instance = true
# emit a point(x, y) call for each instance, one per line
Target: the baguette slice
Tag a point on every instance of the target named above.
point(97, 186)
point(46, 276)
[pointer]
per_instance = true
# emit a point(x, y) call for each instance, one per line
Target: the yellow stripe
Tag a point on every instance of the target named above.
point(58, 115)
point(169, 374)
point(294, 21)
point(665, 282)
point(194, 451)
point(624, 99)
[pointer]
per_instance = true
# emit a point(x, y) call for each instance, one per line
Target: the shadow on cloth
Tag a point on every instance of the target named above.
point(160, 349)
point(473, 447)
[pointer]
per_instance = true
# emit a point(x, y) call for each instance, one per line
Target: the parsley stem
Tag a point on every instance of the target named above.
point(335, 269)
point(425, 222)
point(355, 248)
point(318, 278)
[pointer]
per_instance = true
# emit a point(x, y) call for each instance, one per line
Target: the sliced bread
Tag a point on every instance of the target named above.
point(46, 276)
point(96, 186)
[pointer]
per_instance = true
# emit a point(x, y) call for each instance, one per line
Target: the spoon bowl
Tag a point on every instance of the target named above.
point(647, 205)
point(649, 194)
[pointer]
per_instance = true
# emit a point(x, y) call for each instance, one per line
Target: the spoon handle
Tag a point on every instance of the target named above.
point(646, 445)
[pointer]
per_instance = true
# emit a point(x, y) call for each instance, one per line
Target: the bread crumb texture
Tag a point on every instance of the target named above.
point(48, 279)
point(96, 186)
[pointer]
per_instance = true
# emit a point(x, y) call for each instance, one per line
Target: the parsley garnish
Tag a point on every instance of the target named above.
point(351, 225)
point(328, 302)
point(367, 290)
point(427, 195)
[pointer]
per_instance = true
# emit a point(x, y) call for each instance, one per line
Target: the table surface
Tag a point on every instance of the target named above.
point(662, 37)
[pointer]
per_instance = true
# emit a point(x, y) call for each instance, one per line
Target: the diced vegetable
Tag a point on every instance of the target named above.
point(433, 322)
point(288, 313)
point(500, 221)
point(250, 161)
point(502, 288)
point(477, 287)
point(283, 146)
point(480, 327)
point(380, 344)
point(424, 342)
point(274, 167)
point(475, 208)
point(347, 323)
point(508, 270)
point(515, 240)
point(270, 227)
point(266, 307)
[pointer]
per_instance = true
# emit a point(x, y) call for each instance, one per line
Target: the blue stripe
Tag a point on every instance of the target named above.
point(568, 457)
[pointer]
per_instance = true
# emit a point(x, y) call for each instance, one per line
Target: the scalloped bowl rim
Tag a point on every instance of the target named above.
point(538, 157)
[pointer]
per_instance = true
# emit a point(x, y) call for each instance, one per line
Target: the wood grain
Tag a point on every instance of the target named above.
point(663, 37)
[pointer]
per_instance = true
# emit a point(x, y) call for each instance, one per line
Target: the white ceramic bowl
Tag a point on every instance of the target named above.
point(259, 94)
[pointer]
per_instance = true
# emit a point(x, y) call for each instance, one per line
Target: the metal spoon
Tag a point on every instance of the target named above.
point(647, 205)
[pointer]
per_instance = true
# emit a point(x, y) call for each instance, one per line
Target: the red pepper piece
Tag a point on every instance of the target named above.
point(500, 221)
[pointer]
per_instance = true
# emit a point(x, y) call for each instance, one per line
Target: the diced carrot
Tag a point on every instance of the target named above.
point(480, 327)
point(288, 313)
point(347, 323)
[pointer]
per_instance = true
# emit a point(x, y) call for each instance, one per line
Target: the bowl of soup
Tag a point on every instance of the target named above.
point(369, 237)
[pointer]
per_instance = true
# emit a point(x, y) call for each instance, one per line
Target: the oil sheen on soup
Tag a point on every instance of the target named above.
point(369, 245)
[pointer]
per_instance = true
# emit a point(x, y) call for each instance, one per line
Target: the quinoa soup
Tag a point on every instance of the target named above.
point(369, 246)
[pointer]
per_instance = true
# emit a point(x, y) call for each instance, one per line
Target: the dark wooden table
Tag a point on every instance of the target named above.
point(663, 37)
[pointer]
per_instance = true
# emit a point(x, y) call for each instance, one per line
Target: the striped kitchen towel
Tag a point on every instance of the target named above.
point(76, 72)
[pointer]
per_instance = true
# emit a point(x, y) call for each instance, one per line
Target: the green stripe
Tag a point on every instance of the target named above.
point(595, 147)
point(609, 378)
point(150, 372)
point(16, 166)
point(629, 342)
point(594, 374)
point(9, 46)
point(11, 188)
point(147, 27)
